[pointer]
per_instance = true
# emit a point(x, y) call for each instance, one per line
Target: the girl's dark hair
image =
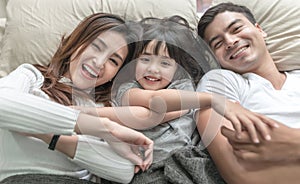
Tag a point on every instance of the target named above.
point(213, 11)
point(87, 31)
point(182, 43)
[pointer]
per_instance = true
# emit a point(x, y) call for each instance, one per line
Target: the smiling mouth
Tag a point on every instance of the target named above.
point(238, 52)
point(89, 71)
point(152, 79)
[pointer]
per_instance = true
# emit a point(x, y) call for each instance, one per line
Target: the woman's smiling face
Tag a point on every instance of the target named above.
point(99, 62)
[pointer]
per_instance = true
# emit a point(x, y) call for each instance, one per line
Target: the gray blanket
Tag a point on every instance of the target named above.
point(189, 165)
point(43, 179)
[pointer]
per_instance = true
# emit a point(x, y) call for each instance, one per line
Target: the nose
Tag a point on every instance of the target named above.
point(99, 62)
point(153, 68)
point(230, 41)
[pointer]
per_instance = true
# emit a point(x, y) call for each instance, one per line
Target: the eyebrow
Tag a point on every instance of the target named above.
point(101, 42)
point(150, 54)
point(118, 56)
point(225, 30)
point(105, 47)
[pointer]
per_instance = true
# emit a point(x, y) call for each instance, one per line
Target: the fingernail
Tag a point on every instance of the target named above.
point(276, 125)
point(256, 141)
point(268, 137)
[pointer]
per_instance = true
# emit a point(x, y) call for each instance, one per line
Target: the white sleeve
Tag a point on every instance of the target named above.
point(24, 112)
point(222, 82)
point(97, 157)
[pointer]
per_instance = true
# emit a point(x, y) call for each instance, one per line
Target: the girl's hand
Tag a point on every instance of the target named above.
point(242, 118)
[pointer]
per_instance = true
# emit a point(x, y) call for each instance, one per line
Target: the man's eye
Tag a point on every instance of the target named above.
point(237, 29)
point(218, 45)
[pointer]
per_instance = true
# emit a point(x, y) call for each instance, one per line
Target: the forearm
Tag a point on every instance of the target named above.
point(31, 114)
point(65, 144)
point(236, 171)
point(174, 115)
point(94, 155)
point(135, 117)
point(168, 100)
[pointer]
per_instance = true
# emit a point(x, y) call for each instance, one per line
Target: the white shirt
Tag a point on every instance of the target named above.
point(26, 108)
point(258, 94)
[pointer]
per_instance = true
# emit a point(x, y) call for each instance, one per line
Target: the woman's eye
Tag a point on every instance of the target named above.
point(114, 62)
point(94, 45)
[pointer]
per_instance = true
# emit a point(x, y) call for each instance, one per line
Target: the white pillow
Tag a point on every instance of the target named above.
point(280, 19)
point(2, 8)
point(138, 9)
point(34, 27)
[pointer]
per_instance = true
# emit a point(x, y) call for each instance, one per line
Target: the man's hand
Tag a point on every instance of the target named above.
point(283, 148)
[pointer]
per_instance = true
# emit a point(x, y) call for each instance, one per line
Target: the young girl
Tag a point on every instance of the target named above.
point(33, 100)
point(162, 64)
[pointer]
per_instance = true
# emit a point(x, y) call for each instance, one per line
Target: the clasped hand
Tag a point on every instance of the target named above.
point(243, 119)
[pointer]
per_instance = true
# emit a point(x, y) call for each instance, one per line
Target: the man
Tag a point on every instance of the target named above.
point(249, 77)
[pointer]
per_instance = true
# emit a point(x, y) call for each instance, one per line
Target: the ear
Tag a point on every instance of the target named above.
point(264, 34)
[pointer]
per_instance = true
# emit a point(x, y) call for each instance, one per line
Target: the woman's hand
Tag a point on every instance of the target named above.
point(132, 145)
point(125, 141)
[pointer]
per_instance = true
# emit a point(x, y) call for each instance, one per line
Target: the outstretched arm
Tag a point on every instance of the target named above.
point(135, 117)
point(232, 169)
point(167, 100)
point(125, 141)
point(101, 160)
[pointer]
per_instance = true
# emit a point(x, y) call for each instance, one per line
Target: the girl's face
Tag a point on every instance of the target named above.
point(154, 72)
point(99, 62)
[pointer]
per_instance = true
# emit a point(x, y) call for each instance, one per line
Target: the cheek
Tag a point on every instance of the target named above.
point(168, 75)
point(73, 68)
point(111, 73)
point(139, 71)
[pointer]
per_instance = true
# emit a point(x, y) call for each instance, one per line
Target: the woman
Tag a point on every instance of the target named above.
point(80, 73)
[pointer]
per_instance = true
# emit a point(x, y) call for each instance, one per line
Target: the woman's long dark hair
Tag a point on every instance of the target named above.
point(87, 31)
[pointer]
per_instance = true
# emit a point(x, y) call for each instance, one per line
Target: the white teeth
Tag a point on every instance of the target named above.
point(91, 72)
point(151, 79)
point(238, 52)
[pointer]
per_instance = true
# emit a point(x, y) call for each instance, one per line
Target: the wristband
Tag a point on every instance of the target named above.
point(53, 142)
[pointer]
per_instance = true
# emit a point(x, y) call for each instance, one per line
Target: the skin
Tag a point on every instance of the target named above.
point(154, 72)
point(99, 62)
point(239, 46)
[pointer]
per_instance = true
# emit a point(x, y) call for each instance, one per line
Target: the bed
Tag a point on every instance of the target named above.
point(30, 32)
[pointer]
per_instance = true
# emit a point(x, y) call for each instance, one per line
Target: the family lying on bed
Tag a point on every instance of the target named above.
point(117, 99)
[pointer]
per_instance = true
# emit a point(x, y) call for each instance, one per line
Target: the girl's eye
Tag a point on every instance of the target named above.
point(144, 59)
point(165, 63)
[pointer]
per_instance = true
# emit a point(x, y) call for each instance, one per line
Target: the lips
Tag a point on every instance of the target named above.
point(238, 52)
point(88, 70)
point(152, 79)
